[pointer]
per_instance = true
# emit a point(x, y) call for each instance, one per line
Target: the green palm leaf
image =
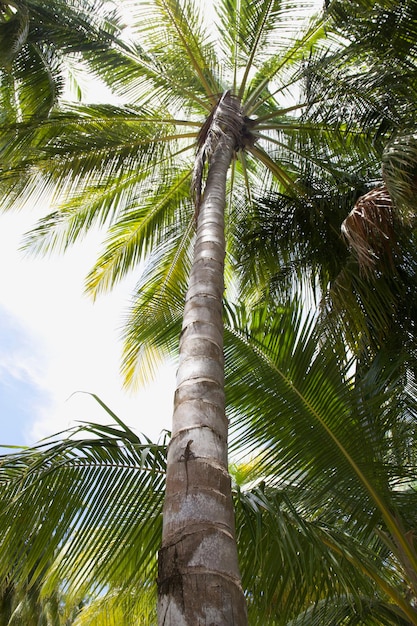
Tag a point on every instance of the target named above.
point(296, 562)
point(309, 426)
point(99, 475)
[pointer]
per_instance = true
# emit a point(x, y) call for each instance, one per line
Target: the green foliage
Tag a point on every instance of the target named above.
point(91, 510)
point(40, 42)
point(326, 506)
point(327, 477)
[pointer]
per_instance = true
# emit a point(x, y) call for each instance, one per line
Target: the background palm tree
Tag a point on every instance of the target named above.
point(290, 238)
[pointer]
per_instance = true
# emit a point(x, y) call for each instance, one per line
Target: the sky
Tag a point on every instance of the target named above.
point(55, 343)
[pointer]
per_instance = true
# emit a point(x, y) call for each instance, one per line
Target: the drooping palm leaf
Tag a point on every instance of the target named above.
point(296, 560)
point(369, 229)
point(103, 529)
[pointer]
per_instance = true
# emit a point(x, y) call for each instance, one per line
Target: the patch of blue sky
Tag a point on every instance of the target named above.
point(20, 390)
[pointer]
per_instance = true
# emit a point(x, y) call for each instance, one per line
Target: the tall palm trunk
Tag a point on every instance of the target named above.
point(199, 579)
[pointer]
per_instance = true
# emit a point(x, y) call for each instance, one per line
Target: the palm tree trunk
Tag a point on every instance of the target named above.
point(199, 578)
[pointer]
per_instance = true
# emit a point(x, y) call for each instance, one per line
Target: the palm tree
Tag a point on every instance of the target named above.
point(130, 168)
point(377, 69)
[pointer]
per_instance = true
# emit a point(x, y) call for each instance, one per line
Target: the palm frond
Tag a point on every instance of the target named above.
point(185, 23)
point(314, 401)
point(144, 229)
point(153, 323)
point(399, 171)
point(106, 467)
point(373, 76)
point(295, 239)
point(279, 71)
point(306, 401)
point(373, 612)
point(173, 33)
point(295, 562)
point(370, 229)
point(14, 29)
point(114, 152)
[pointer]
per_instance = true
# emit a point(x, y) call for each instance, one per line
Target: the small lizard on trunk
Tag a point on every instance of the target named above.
point(188, 455)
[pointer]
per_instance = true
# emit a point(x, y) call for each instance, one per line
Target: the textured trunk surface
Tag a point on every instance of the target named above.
point(199, 579)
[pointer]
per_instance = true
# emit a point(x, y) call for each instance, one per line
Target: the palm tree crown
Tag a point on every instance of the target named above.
point(130, 167)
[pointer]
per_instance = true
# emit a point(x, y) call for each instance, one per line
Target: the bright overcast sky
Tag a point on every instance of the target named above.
point(55, 342)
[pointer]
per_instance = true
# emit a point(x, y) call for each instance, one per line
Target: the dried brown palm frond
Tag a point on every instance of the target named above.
point(370, 230)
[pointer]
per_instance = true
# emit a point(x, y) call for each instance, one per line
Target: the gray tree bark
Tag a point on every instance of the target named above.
point(199, 578)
